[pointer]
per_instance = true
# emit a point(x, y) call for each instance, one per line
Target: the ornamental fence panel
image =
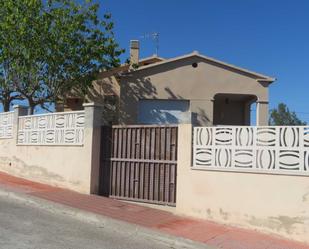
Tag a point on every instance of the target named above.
point(6, 125)
point(255, 149)
point(64, 128)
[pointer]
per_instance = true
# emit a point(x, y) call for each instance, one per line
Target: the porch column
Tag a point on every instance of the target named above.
point(262, 113)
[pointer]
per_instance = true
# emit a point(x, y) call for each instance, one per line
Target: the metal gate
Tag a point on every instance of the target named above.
point(139, 163)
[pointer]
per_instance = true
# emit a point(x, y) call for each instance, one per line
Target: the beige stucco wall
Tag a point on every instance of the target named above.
point(179, 80)
point(269, 203)
point(105, 91)
point(72, 167)
point(55, 165)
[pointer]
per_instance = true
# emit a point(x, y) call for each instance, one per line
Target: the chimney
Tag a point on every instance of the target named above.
point(134, 52)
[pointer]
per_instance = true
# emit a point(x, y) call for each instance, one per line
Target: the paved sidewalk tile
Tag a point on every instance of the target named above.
point(211, 233)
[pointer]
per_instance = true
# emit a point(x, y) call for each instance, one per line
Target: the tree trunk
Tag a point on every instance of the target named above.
point(6, 102)
point(6, 106)
point(31, 109)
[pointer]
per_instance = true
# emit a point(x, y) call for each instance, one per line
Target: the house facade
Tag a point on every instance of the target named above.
point(191, 88)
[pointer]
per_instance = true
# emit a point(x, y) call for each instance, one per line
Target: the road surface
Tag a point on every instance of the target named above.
point(23, 226)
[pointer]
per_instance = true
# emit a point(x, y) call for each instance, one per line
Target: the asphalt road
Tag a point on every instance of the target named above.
point(23, 226)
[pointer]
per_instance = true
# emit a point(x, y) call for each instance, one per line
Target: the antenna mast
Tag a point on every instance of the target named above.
point(155, 37)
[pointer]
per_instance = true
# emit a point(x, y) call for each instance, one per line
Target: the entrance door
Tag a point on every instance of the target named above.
point(141, 165)
point(232, 109)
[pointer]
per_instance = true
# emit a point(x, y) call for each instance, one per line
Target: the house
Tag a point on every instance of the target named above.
point(191, 88)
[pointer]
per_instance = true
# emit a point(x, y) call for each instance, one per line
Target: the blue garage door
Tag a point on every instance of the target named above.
point(164, 112)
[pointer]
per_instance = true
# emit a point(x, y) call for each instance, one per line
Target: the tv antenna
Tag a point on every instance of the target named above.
point(155, 37)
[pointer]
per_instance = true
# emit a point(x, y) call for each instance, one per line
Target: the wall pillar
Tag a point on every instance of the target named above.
point(184, 162)
point(92, 142)
point(18, 111)
point(262, 113)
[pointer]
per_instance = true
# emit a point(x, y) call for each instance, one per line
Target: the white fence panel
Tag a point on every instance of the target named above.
point(66, 128)
point(256, 149)
point(6, 125)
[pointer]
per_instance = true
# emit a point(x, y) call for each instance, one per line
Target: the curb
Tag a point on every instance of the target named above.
point(99, 220)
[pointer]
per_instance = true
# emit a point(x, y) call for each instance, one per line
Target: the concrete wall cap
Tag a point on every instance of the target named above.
point(19, 106)
point(91, 105)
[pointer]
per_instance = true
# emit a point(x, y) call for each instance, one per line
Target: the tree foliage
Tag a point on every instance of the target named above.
point(283, 116)
point(54, 47)
point(7, 92)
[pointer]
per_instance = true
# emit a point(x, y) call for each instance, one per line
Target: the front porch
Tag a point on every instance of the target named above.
point(235, 109)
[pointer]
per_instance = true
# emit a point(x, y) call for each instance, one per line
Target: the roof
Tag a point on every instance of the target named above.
point(151, 59)
point(259, 77)
point(142, 62)
point(148, 60)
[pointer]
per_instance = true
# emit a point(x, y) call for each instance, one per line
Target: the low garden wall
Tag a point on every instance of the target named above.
point(61, 149)
point(251, 177)
point(236, 187)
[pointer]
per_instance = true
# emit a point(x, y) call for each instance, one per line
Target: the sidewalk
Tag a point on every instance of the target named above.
point(210, 233)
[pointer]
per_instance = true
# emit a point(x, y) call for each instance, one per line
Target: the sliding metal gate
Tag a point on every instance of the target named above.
point(139, 163)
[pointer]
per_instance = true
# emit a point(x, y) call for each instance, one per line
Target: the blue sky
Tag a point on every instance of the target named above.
point(270, 37)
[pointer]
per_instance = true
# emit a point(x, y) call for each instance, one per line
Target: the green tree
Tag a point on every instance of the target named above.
point(7, 89)
point(283, 116)
point(55, 47)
